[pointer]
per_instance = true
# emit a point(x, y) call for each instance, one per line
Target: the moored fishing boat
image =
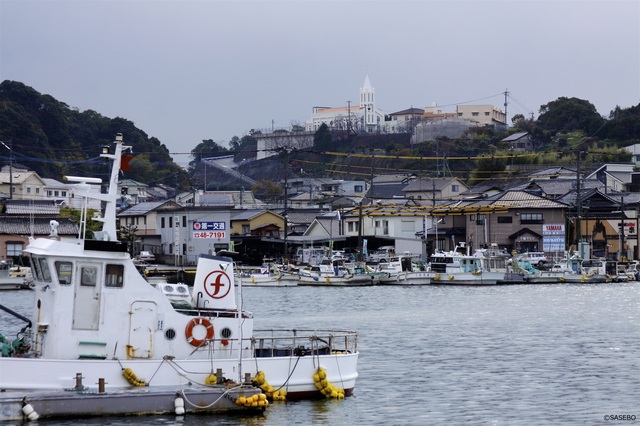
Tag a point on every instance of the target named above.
point(336, 271)
point(402, 270)
point(455, 268)
point(265, 276)
point(96, 317)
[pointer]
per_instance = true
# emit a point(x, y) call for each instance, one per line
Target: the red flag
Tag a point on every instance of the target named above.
point(124, 163)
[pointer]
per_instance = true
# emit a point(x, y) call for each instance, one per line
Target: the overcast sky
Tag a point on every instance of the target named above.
point(184, 71)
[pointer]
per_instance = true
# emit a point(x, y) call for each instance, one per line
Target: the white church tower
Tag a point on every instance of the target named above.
point(371, 120)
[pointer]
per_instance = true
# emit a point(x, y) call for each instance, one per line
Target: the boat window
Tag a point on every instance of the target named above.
point(114, 276)
point(44, 267)
point(35, 266)
point(64, 271)
point(88, 275)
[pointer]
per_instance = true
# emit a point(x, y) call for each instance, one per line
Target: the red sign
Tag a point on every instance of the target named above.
point(217, 284)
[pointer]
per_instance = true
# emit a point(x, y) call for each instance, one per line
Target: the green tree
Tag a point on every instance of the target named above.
point(569, 114)
point(127, 234)
point(322, 138)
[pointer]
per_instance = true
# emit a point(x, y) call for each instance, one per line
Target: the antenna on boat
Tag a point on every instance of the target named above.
point(109, 232)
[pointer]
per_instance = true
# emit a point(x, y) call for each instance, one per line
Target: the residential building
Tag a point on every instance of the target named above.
point(403, 121)
point(520, 142)
point(132, 192)
point(21, 184)
point(484, 115)
point(615, 177)
point(426, 191)
point(70, 194)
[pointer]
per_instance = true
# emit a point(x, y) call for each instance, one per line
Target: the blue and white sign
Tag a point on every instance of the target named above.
point(553, 244)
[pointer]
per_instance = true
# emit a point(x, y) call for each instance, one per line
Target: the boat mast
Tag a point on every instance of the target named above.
point(111, 197)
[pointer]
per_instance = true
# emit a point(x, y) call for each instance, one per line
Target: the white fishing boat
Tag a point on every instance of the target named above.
point(455, 268)
point(95, 316)
point(404, 271)
point(265, 276)
point(336, 271)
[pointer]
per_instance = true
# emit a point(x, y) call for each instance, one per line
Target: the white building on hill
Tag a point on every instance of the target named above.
point(362, 118)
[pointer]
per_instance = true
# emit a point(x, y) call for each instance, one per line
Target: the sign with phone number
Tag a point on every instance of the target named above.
point(209, 234)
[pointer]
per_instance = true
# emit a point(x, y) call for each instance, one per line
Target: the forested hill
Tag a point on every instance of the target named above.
point(53, 139)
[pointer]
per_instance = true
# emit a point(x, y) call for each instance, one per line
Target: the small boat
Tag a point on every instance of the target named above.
point(337, 272)
point(14, 277)
point(96, 317)
point(267, 275)
point(404, 271)
point(455, 268)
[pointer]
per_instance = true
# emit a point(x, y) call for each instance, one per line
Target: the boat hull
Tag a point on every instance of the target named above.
point(342, 281)
point(469, 278)
point(292, 373)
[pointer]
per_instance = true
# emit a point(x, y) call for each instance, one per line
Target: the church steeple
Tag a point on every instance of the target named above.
point(368, 103)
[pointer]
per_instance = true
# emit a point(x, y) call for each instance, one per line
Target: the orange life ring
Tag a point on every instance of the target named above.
point(189, 331)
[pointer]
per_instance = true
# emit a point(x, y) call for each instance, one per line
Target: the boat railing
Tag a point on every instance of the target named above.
point(297, 342)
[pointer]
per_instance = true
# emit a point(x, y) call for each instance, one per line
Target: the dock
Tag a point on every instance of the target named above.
point(32, 405)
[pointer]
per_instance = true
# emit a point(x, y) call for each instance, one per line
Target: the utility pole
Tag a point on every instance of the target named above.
point(360, 248)
point(506, 116)
point(286, 196)
point(578, 212)
point(10, 148)
point(621, 230)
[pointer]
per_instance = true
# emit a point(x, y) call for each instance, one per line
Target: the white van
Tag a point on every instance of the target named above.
point(383, 254)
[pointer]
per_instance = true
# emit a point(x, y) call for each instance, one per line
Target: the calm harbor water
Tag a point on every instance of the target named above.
point(522, 354)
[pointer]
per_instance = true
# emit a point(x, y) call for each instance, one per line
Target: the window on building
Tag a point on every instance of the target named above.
point(455, 188)
point(481, 219)
point(531, 218)
point(28, 190)
point(162, 222)
point(56, 193)
point(14, 249)
point(170, 221)
point(358, 188)
point(64, 193)
point(350, 226)
point(505, 219)
point(246, 230)
point(184, 221)
point(385, 227)
point(487, 113)
point(475, 113)
point(377, 224)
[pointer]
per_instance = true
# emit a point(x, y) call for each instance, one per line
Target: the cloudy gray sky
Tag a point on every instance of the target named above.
point(184, 71)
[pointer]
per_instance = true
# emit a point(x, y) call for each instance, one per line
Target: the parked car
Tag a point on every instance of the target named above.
point(536, 258)
point(146, 256)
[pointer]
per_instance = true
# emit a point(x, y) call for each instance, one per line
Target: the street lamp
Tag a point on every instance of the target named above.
point(10, 148)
